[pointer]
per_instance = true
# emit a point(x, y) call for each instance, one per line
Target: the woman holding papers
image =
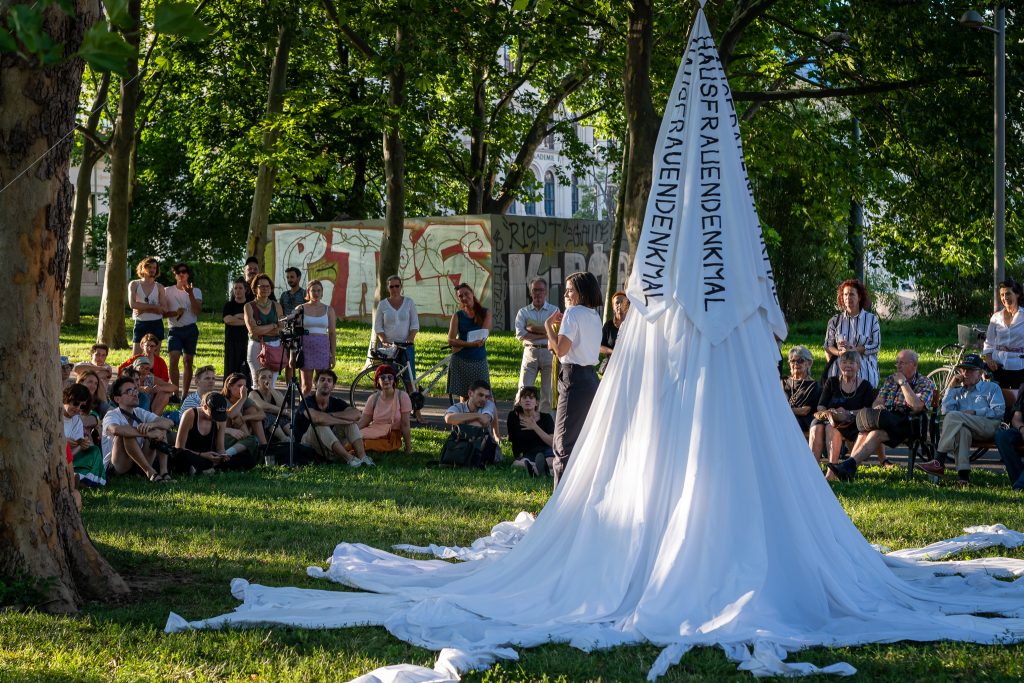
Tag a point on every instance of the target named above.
point(467, 334)
point(577, 343)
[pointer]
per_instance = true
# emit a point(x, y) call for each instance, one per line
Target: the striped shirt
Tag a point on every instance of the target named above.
point(859, 330)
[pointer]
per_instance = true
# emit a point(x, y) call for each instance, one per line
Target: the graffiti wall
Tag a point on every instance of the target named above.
point(496, 255)
point(526, 247)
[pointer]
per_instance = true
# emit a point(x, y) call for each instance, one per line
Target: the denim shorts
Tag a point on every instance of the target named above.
point(183, 339)
point(144, 327)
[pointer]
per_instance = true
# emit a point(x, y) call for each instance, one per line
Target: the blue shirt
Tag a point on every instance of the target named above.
point(984, 398)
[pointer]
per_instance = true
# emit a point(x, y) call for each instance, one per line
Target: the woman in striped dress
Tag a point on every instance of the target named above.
point(854, 328)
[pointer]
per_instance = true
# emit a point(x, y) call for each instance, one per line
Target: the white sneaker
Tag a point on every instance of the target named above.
point(355, 462)
point(368, 462)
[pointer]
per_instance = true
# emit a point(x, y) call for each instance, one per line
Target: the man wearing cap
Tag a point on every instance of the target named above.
point(972, 409)
point(904, 393)
point(530, 331)
point(132, 436)
point(154, 393)
point(65, 372)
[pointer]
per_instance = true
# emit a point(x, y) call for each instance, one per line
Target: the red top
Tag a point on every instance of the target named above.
point(159, 366)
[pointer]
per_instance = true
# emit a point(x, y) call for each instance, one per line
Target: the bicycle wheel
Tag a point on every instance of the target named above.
point(362, 387)
point(942, 377)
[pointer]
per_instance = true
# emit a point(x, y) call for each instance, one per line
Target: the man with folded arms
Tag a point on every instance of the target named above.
point(536, 354)
point(972, 409)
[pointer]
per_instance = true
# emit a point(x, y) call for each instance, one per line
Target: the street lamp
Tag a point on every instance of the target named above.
point(972, 19)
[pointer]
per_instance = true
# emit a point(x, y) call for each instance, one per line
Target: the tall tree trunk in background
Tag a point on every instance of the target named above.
point(641, 120)
point(617, 231)
point(260, 214)
point(41, 531)
point(394, 173)
point(91, 154)
point(478, 134)
point(115, 283)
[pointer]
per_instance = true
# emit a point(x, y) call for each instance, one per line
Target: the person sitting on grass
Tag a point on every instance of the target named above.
point(201, 438)
point(972, 409)
point(205, 380)
point(904, 393)
point(271, 402)
point(97, 363)
point(245, 420)
point(154, 392)
point(98, 405)
point(86, 457)
point(65, 372)
point(477, 410)
point(385, 424)
point(133, 438)
point(531, 433)
point(327, 424)
point(151, 350)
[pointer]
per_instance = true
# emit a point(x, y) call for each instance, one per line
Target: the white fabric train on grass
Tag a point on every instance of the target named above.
point(690, 514)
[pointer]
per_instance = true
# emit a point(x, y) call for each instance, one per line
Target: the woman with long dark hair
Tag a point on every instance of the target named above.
point(1004, 341)
point(577, 343)
point(469, 360)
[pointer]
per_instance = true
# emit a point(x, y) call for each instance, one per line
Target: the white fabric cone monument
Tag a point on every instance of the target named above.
point(681, 522)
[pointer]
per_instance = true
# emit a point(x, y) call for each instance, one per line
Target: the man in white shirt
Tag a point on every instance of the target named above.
point(133, 436)
point(530, 331)
point(184, 302)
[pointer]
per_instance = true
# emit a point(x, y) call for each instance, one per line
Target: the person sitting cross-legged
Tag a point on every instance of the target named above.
point(321, 416)
point(200, 439)
point(132, 436)
point(384, 423)
point(904, 393)
point(1009, 440)
point(972, 409)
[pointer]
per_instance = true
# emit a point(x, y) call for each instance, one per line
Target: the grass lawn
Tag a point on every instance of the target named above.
point(179, 545)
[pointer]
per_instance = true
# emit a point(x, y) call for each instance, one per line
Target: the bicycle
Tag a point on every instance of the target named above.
point(968, 339)
point(362, 386)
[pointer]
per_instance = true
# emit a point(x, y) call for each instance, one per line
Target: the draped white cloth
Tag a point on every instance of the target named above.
point(690, 514)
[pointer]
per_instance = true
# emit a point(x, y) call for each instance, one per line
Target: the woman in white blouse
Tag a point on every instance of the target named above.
point(1004, 341)
point(577, 344)
point(854, 328)
point(397, 322)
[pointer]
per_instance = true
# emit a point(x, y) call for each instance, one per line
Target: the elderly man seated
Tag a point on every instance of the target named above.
point(972, 409)
point(903, 394)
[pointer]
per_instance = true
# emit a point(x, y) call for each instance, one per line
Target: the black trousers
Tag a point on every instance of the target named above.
point(577, 385)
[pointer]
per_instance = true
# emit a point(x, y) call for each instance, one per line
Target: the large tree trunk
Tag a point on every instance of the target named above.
point(260, 214)
point(617, 231)
point(115, 282)
point(91, 154)
point(394, 174)
point(641, 120)
point(41, 532)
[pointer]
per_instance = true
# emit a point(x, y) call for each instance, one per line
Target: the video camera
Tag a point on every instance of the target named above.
point(291, 330)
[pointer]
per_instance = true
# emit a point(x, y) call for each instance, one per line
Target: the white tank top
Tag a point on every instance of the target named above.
point(153, 299)
point(316, 324)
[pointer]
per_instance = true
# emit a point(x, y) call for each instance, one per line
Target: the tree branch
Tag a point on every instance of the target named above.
point(867, 89)
point(746, 12)
point(353, 37)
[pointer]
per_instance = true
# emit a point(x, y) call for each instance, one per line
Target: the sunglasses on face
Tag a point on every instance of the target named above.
point(394, 286)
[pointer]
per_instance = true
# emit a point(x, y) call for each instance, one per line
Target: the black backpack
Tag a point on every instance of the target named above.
point(467, 446)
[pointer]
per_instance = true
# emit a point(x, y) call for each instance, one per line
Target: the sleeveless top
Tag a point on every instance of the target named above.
point(198, 442)
point(316, 324)
point(262, 318)
point(153, 299)
point(466, 325)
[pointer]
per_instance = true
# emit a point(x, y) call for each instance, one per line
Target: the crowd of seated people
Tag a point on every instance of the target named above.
point(855, 415)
